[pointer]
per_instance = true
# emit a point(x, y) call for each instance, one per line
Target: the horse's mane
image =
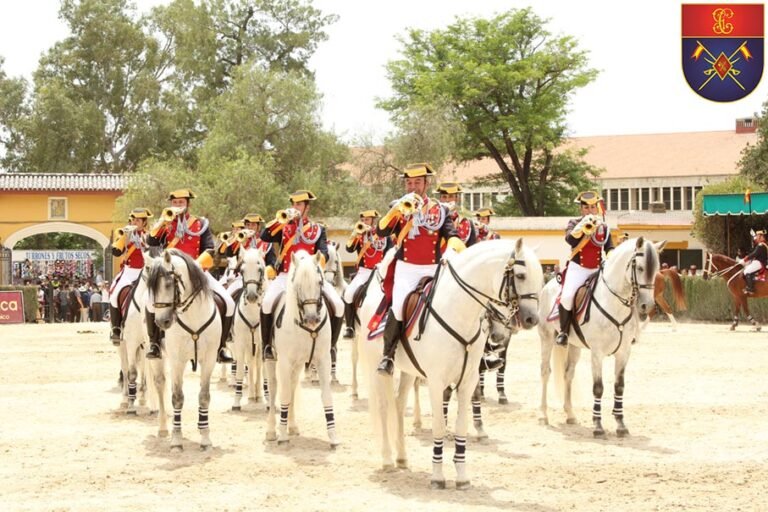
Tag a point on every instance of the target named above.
point(298, 265)
point(197, 277)
point(626, 250)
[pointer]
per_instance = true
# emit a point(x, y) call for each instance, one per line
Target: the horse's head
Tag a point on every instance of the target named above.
point(719, 265)
point(332, 265)
point(306, 279)
point(639, 263)
point(253, 270)
point(523, 279)
point(175, 280)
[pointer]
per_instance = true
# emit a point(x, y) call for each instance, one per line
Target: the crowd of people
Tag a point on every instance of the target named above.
point(72, 300)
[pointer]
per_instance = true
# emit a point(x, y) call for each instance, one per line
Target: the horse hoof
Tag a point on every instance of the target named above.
point(236, 408)
point(388, 468)
point(462, 486)
point(123, 405)
point(177, 449)
point(271, 436)
point(162, 433)
point(599, 434)
point(152, 413)
point(622, 432)
point(758, 328)
point(437, 484)
point(283, 442)
point(132, 412)
point(503, 400)
point(543, 421)
point(142, 402)
point(733, 327)
point(256, 400)
point(570, 421)
point(481, 435)
point(355, 396)
point(334, 445)
point(293, 431)
point(205, 447)
point(402, 463)
point(417, 426)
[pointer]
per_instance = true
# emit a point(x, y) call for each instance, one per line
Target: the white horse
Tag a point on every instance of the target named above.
point(186, 311)
point(501, 272)
point(624, 291)
point(246, 330)
point(131, 349)
point(334, 274)
point(302, 336)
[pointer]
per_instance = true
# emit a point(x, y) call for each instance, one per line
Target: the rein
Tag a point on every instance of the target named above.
point(318, 302)
point(251, 327)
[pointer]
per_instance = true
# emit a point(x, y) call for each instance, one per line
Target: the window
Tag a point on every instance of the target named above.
point(677, 198)
point(696, 191)
point(623, 199)
point(634, 198)
point(645, 198)
point(666, 194)
point(477, 201)
point(613, 196)
point(57, 208)
point(688, 198)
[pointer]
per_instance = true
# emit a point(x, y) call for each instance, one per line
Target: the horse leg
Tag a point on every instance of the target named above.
point(618, 395)
point(204, 398)
point(232, 380)
point(597, 392)
point(438, 434)
point(481, 385)
point(416, 405)
point(406, 384)
point(355, 357)
point(122, 352)
point(239, 370)
point(255, 394)
point(477, 413)
point(745, 306)
point(270, 393)
point(667, 309)
point(500, 378)
point(130, 379)
point(465, 393)
point(547, 344)
point(326, 396)
point(177, 400)
point(285, 393)
point(736, 306)
point(571, 361)
point(293, 428)
point(157, 370)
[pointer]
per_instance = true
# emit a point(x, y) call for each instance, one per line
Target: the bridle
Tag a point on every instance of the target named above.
point(631, 301)
point(318, 303)
point(259, 283)
point(179, 305)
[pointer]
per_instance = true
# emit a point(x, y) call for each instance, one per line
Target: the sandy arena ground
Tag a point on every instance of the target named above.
point(696, 403)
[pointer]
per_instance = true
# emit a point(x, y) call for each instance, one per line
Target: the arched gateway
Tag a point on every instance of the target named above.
point(49, 203)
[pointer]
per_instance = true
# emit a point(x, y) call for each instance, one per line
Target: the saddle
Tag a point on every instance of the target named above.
point(413, 309)
point(125, 298)
point(220, 305)
point(581, 301)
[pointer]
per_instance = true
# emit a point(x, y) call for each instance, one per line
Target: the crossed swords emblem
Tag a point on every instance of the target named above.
point(722, 65)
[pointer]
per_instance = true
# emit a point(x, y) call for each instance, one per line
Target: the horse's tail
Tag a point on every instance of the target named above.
point(677, 288)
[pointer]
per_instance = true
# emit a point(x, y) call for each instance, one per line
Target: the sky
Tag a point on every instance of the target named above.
point(635, 46)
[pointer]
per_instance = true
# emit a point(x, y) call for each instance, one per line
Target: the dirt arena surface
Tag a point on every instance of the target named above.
point(696, 403)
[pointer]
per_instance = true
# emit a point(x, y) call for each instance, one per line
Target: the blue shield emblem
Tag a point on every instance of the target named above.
point(723, 49)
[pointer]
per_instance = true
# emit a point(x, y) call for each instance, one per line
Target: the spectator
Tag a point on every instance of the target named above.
point(75, 303)
point(692, 270)
point(64, 301)
point(95, 304)
point(664, 266)
point(40, 302)
point(85, 297)
point(99, 279)
point(105, 301)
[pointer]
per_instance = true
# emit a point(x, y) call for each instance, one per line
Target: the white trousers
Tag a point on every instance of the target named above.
point(360, 279)
point(234, 285)
point(127, 276)
point(753, 266)
point(407, 277)
point(216, 287)
point(574, 278)
point(277, 286)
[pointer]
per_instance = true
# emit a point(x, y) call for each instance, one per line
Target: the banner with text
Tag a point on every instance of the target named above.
point(11, 307)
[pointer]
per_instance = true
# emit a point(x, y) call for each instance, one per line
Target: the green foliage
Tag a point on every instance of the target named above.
point(64, 241)
point(715, 231)
point(13, 112)
point(507, 82)
point(754, 158)
point(710, 301)
point(30, 300)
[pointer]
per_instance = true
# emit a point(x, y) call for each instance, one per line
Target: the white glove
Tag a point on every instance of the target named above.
point(740, 261)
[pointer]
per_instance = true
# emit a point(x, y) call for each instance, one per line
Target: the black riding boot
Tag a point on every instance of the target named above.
point(750, 288)
point(391, 337)
point(491, 361)
point(116, 319)
point(349, 318)
point(565, 326)
point(154, 337)
point(266, 336)
point(224, 356)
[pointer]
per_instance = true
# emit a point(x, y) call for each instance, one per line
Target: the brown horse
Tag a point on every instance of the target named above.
point(730, 270)
point(660, 283)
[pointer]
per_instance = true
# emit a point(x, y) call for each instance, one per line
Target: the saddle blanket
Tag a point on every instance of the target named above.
point(586, 297)
point(379, 320)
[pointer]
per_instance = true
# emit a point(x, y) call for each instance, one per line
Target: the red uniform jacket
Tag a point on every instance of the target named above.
point(312, 239)
point(424, 247)
point(370, 249)
point(591, 253)
point(193, 241)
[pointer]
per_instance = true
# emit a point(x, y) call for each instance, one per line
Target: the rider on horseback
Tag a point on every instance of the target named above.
point(249, 238)
point(754, 262)
point(293, 230)
point(589, 236)
point(420, 224)
point(130, 244)
point(370, 249)
point(190, 234)
point(484, 232)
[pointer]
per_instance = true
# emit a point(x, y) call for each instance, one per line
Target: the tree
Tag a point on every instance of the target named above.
point(13, 112)
point(507, 82)
point(754, 158)
point(714, 232)
point(98, 103)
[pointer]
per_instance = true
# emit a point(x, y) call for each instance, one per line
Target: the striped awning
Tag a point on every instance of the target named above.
point(736, 204)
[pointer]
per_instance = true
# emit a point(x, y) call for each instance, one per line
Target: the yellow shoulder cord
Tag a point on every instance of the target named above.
point(289, 243)
point(576, 250)
point(365, 248)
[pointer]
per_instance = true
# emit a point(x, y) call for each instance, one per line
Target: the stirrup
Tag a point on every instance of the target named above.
point(154, 351)
point(269, 354)
point(492, 362)
point(386, 366)
point(562, 339)
point(116, 336)
point(349, 332)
